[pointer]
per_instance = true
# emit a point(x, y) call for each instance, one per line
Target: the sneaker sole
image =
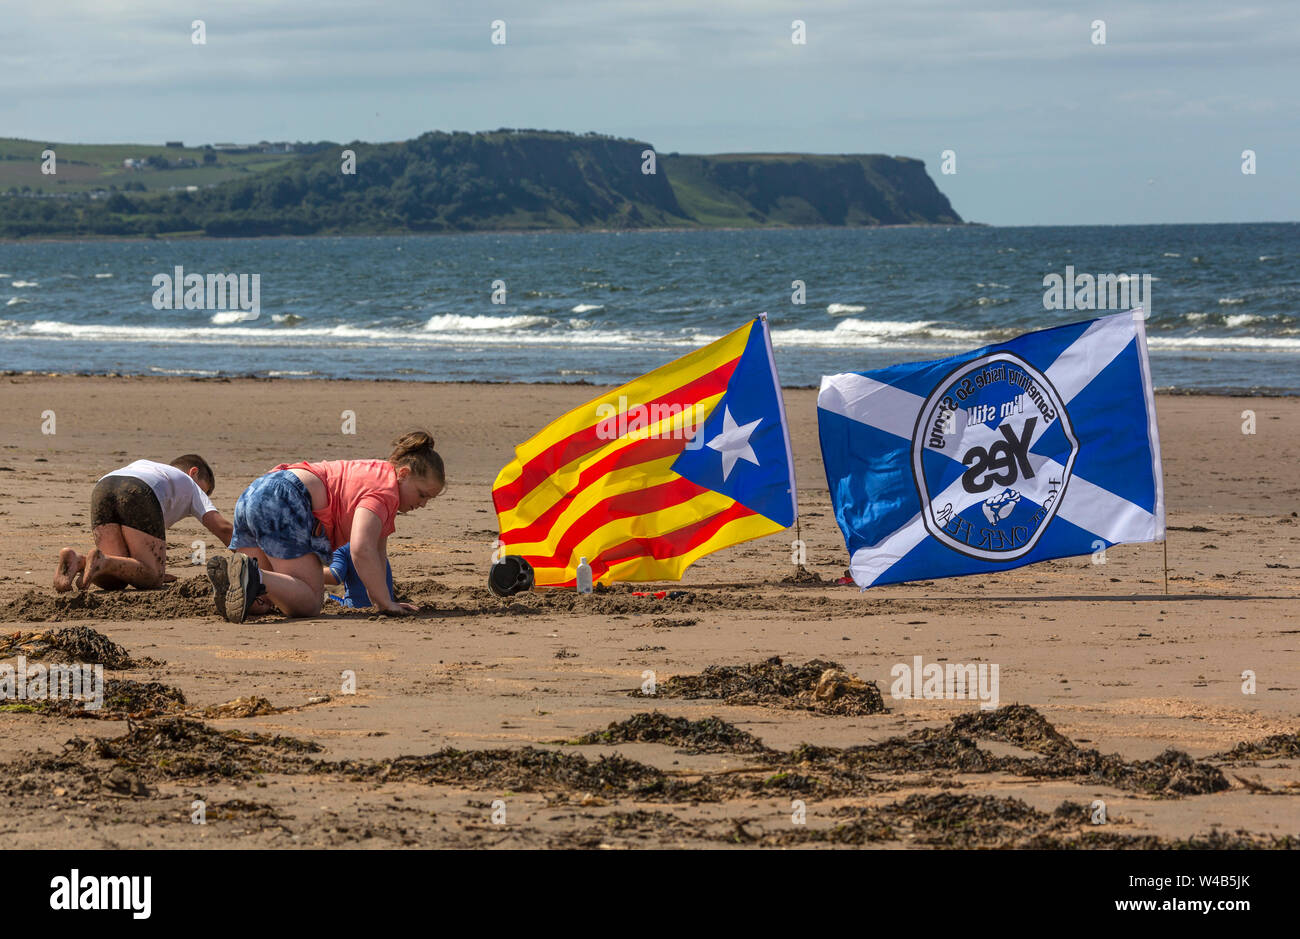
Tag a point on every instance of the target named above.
point(239, 574)
point(220, 583)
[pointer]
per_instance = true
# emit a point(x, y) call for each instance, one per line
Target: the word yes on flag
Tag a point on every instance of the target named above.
point(645, 480)
point(1041, 447)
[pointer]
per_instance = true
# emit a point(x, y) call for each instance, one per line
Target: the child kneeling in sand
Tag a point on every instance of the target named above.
point(130, 512)
point(288, 523)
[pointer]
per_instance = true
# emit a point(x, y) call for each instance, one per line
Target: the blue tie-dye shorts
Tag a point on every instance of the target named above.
point(274, 514)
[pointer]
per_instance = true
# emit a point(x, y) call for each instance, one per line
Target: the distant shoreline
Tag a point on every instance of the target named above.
point(198, 236)
point(187, 236)
point(581, 382)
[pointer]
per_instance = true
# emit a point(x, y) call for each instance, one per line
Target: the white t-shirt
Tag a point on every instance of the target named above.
point(177, 493)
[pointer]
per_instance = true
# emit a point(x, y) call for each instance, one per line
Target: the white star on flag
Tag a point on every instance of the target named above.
point(733, 442)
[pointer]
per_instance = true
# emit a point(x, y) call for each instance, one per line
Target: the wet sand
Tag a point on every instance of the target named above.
point(1098, 650)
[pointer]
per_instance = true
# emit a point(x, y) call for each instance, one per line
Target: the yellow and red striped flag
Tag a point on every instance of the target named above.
point(650, 477)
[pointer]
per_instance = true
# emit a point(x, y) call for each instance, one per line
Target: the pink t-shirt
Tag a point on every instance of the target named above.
point(352, 485)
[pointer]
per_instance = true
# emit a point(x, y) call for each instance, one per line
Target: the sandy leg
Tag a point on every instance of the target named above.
point(70, 565)
point(92, 565)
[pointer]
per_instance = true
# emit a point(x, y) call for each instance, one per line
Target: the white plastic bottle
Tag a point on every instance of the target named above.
point(584, 576)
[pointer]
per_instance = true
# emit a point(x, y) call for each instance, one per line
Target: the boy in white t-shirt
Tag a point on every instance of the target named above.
point(130, 512)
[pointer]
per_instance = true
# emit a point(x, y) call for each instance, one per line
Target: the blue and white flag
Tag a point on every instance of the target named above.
point(1041, 447)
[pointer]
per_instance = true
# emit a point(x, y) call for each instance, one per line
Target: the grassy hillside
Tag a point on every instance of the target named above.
point(773, 189)
point(88, 167)
point(507, 179)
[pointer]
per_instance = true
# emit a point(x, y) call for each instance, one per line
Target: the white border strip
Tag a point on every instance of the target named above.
point(785, 424)
point(1157, 464)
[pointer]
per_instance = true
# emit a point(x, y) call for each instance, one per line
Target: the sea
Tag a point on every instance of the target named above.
point(1222, 302)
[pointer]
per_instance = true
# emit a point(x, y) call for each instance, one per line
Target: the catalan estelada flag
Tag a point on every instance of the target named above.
point(646, 479)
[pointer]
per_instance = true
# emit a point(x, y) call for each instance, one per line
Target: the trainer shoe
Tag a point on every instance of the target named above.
point(236, 584)
point(220, 583)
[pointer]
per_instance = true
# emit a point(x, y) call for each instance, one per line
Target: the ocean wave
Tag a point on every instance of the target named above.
point(15, 300)
point(845, 309)
point(1231, 301)
point(880, 334)
point(1171, 254)
point(24, 283)
point(1235, 320)
point(587, 307)
point(102, 276)
point(288, 319)
point(455, 322)
point(329, 336)
point(1263, 343)
point(1242, 319)
point(849, 333)
point(195, 372)
point(227, 317)
point(1268, 257)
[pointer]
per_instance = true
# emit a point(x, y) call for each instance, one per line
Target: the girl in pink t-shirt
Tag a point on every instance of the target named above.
point(288, 522)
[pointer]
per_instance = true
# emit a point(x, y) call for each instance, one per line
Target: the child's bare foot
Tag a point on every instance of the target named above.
point(70, 565)
point(91, 568)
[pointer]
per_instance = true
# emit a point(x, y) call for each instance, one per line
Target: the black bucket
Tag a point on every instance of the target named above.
point(509, 576)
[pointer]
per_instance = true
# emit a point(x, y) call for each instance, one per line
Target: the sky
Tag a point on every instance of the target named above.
point(1047, 126)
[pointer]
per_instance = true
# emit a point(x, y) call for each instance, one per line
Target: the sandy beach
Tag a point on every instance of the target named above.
point(475, 695)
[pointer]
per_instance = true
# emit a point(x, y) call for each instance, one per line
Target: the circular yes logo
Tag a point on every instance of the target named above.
point(992, 454)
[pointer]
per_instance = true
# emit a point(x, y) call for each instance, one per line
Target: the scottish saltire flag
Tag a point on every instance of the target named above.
point(1041, 447)
point(646, 479)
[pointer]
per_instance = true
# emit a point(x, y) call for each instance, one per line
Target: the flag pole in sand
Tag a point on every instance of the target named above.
point(1166, 544)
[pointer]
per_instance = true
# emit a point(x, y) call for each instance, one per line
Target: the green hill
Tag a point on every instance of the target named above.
point(806, 189)
point(500, 180)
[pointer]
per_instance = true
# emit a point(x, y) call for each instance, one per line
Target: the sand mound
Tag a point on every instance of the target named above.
point(814, 686)
point(1017, 724)
point(250, 706)
point(622, 599)
point(953, 749)
point(175, 748)
point(947, 820)
point(527, 769)
point(179, 748)
point(710, 735)
point(674, 622)
point(71, 644)
point(1276, 747)
point(123, 699)
point(180, 600)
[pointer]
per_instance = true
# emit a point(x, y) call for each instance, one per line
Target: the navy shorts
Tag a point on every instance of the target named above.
point(274, 514)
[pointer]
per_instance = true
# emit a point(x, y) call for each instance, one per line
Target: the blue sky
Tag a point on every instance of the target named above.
point(1048, 127)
